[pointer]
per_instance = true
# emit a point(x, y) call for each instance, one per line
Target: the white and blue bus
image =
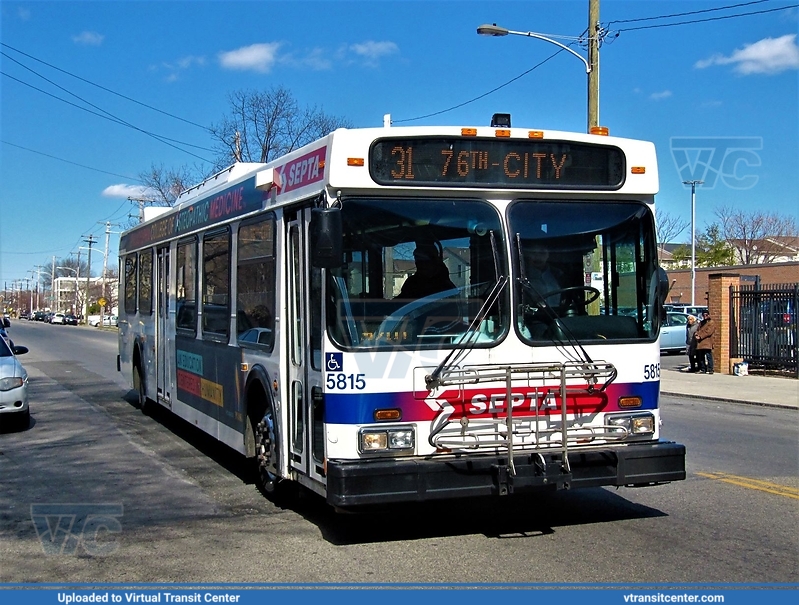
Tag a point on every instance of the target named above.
point(368, 316)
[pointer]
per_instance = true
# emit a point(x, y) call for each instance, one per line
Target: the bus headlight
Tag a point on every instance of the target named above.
point(634, 424)
point(386, 440)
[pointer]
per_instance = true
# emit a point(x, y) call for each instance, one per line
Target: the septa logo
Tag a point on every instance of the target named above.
point(487, 404)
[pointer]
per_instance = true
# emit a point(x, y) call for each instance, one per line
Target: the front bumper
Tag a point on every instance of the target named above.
point(380, 481)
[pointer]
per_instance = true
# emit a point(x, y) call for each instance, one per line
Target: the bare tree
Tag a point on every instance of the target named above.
point(263, 125)
point(165, 184)
point(758, 237)
point(668, 229)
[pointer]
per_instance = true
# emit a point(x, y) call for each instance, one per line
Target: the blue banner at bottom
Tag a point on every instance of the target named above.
point(398, 595)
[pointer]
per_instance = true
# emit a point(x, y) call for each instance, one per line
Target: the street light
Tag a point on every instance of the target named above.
point(693, 185)
point(495, 30)
point(591, 64)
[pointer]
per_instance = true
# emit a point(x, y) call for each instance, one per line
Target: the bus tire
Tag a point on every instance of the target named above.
point(267, 447)
point(138, 386)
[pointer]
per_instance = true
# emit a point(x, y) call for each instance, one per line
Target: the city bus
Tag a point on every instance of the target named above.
point(269, 308)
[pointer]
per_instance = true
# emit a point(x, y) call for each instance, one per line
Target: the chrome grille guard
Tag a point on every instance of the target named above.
point(494, 433)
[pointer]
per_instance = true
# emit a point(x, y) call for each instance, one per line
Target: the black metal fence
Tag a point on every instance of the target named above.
point(764, 327)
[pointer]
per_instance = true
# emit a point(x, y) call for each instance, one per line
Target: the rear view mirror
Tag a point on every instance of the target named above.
point(663, 287)
point(327, 250)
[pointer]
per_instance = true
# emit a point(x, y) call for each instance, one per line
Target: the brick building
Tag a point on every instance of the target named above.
point(773, 273)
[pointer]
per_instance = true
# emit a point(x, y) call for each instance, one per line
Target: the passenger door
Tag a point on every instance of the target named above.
point(304, 354)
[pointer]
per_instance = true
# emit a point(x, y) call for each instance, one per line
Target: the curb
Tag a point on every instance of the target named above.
point(727, 400)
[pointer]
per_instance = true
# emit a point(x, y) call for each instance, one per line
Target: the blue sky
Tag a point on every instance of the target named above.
point(723, 90)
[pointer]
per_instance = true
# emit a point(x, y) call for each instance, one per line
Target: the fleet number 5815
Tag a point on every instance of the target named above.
point(651, 371)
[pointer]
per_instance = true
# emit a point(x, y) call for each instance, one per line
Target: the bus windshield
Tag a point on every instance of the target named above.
point(418, 273)
point(585, 271)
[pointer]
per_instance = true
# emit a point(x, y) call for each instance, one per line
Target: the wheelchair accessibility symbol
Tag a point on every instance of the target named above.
point(334, 362)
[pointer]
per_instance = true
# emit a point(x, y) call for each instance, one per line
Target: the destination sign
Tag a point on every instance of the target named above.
point(503, 163)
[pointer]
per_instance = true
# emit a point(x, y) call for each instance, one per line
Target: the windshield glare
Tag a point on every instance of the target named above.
point(585, 271)
point(416, 274)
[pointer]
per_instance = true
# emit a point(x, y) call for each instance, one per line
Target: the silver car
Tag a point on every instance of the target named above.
point(13, 385)
point(672, 333)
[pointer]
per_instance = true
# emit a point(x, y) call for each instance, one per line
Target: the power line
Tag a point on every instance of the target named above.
point(69, 162)
point(706, 10)
point(166, 113)
point(485, 94)
point(761, 12)
point(114, 119)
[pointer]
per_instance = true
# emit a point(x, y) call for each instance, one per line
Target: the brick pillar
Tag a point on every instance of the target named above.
point(718, 302)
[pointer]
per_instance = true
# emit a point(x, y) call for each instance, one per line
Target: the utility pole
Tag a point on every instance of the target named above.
point(105, 257)
point(91, 241)
point(593, 61)
point(53, 303)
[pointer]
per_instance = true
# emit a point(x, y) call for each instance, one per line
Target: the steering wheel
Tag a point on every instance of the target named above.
point(570, 297)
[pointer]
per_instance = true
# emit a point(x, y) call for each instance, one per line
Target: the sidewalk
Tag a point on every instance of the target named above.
point(757, 390)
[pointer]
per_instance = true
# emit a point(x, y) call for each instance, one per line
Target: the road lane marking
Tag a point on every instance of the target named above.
point(756, 484)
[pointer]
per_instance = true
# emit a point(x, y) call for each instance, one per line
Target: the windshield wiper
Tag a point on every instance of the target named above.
point(432, 380)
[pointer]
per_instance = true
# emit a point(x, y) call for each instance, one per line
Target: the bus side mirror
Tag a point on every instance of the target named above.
point(663, 291)
point(327, 249)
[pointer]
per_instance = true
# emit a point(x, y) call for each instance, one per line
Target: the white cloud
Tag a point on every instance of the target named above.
point(88, 39)
point(189, 61)
point(256, 57)
point(122, 190)
point(657, 96)
point(767, 56)
point(371, 51)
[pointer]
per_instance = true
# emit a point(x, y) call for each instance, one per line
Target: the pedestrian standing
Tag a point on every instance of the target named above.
point(690, 342)
point(704, 343)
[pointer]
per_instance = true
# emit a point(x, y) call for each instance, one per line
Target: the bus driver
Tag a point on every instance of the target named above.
point(431, 274)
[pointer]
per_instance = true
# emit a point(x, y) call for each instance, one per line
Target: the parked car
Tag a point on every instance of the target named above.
point(672, 333)
point(57, 318)
point(70, 320)
point(695, 310)
point(39, 316)
point(13, 385)
point(110, 320)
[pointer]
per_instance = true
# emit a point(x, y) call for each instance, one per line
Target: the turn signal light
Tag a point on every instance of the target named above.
point(600, 130)
point(387, 415)
point(629, 402)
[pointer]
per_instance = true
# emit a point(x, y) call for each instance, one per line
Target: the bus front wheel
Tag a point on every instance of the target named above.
point(266, 452)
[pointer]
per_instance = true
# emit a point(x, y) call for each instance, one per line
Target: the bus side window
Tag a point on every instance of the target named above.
point(255, 279)
point(186, 289)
